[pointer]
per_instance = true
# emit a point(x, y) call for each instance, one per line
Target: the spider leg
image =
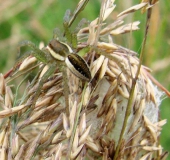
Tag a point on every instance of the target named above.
point(57, 34)
point(42, 56)
point(47, 74)
point(67, 32)
point(38, 53)
point(65, 88)
point(20, 59)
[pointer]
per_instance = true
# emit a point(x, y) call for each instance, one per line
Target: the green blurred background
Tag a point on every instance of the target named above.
point(35, 21)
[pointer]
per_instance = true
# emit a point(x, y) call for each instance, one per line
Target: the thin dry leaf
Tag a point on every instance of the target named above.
point(132, 9)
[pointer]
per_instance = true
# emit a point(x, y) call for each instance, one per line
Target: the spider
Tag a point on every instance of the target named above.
point(56, 54)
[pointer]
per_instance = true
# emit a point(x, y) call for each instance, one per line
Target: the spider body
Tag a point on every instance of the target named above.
point(57, 54)
point(63, 52)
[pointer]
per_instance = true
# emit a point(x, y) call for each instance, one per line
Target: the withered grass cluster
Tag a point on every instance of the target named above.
point(92, 128)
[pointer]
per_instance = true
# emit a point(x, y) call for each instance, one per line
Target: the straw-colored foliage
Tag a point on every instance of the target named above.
point(92, 128)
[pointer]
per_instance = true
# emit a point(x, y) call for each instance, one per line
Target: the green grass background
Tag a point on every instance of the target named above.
point(35, 21)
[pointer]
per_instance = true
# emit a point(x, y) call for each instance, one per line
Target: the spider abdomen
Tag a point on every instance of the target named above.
point(78, 66)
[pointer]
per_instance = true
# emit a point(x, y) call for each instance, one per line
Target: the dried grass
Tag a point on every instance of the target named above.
point(96, 110)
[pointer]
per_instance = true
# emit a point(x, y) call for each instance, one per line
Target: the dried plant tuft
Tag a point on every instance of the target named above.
point(97, 110)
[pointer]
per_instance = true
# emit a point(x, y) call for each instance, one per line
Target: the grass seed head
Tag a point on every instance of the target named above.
point(92, 125)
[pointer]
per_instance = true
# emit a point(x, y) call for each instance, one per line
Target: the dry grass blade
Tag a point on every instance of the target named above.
point(81, 5)
point(132, 9)
point(4, 149)
point(2, 85)
point(27, 62)
point(9, 112)
point(126, 28)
